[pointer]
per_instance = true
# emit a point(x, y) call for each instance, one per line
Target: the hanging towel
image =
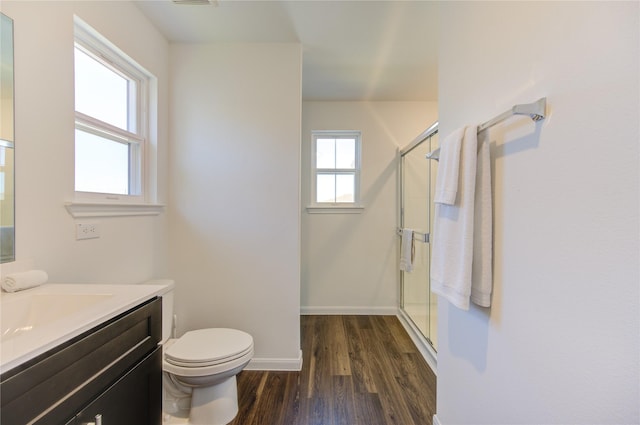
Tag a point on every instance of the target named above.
point(448, 168)
point(406, 251)
point(24, 280)
point(482, 275)
point(452, 253)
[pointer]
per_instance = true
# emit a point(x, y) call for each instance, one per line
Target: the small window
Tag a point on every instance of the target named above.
point(336, 168)
point(111, 99)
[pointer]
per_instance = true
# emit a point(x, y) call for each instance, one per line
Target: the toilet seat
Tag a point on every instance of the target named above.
point(208, 347)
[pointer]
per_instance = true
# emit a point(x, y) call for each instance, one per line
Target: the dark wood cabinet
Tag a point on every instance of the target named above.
point(134, 399)
point(113, 370)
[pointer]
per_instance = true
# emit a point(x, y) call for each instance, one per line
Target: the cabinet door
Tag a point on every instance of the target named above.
point(64, 380)
point(135, 399)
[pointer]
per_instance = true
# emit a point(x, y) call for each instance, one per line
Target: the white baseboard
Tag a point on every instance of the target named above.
point(436, 421)
point(350, 310)
point(287, 364)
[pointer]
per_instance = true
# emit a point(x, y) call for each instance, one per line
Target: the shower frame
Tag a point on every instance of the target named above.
point(421, 340)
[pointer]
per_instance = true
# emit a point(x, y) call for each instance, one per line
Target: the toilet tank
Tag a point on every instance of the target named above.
point(167, 306)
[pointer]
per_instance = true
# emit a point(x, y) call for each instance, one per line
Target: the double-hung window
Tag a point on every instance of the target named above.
point(111, 124)
point(336, 168)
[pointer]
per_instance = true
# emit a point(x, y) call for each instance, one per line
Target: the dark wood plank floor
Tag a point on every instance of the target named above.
point(357, 370)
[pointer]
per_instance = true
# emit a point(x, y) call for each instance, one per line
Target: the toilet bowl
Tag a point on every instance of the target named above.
point(201, 366)
point(207, 361)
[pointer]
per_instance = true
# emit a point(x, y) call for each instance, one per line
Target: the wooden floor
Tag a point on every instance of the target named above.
point(357, 370)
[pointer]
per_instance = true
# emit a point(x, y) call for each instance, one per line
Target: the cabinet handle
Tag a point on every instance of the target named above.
point(98, 421)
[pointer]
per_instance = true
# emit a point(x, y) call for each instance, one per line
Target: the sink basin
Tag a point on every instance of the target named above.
point(27, 313)
point(36, 320)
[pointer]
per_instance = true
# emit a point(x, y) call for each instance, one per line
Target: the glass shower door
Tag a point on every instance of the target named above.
point(417, 186)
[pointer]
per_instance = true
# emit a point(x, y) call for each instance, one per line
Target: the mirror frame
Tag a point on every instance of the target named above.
point(7, 141)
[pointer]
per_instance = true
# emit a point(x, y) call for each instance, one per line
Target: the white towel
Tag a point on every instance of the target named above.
point(24, 280)
point(452, 252)
point(482, 275)
point(406, 251)
point(448, 168)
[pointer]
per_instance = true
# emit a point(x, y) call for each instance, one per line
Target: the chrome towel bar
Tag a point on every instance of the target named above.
point(535, 110)
point(417, 236)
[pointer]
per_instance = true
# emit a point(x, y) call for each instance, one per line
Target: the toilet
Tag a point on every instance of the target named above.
point(200, 368)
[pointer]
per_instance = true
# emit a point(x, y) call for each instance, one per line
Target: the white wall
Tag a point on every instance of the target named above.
point(235, 166)
point(560, 342)
point(130, 249)
point(350, 261)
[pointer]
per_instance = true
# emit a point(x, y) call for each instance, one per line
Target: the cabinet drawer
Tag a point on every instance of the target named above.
point(53, 387)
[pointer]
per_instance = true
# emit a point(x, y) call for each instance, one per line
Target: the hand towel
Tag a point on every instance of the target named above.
point(482, 274)
point(448, 168)
point(452, 251)
point(24, 280)
point(406, 251)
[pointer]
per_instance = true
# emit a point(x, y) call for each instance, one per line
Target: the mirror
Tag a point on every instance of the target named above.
point(7, 219)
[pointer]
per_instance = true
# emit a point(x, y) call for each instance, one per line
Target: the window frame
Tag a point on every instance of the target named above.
point(347, 207)
point(98, 47)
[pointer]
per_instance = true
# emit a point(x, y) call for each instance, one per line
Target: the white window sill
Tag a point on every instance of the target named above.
point(99, 209)
point(330, 209)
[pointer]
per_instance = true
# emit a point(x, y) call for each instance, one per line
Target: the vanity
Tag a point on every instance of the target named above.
point(82, 354)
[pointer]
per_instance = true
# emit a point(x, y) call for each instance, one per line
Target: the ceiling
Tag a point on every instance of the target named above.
point(352, 49)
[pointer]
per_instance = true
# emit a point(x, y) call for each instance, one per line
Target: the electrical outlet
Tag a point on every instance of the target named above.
point(87, 231)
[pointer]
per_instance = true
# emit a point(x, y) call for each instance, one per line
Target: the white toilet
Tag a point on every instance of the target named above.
point(203, 364)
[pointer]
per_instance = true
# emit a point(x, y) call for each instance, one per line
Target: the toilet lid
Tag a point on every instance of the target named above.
point(208, 345)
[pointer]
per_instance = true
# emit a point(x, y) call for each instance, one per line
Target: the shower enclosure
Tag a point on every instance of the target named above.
point(418, 306)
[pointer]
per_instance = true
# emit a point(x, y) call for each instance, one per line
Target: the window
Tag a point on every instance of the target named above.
point(336, 168)
point(111, 100)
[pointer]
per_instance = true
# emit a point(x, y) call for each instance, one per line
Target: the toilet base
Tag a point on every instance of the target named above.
point(216, 404)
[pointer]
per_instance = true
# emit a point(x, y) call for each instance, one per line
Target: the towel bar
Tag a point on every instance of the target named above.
point(535, 110)
point(417, 236)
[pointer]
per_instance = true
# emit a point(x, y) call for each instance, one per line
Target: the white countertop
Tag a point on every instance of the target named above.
point(36, 320)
